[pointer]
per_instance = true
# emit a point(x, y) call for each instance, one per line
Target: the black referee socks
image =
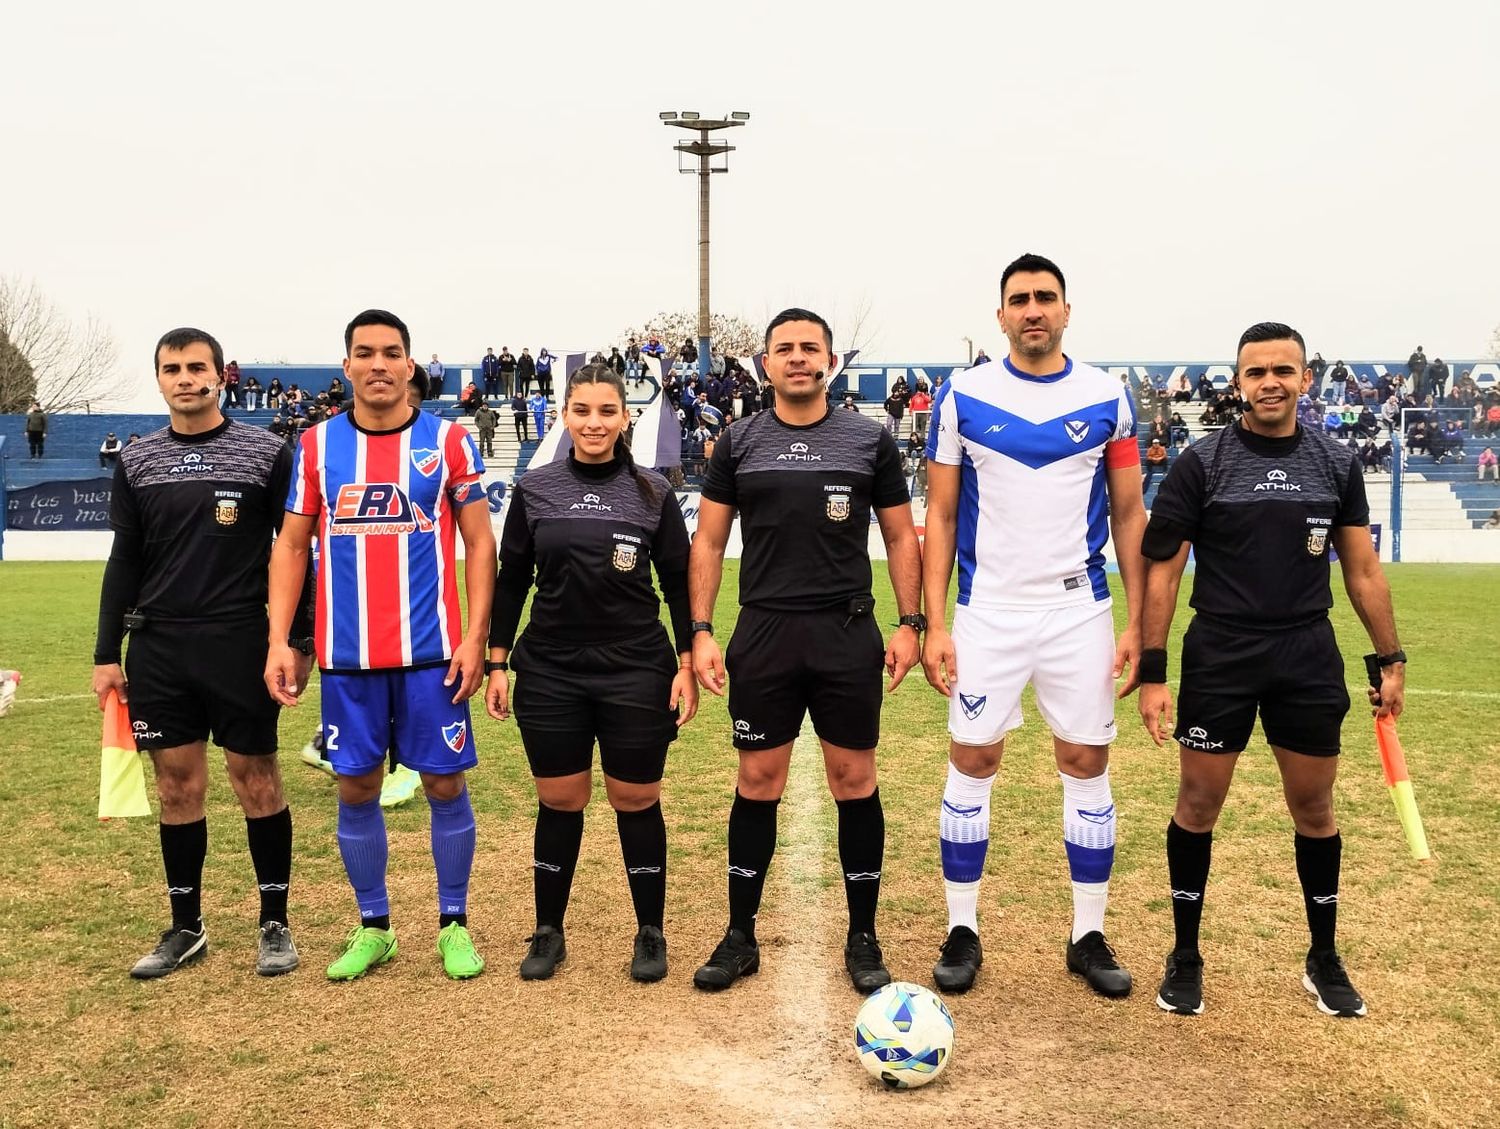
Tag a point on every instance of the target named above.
point(270, 840)
point(643, 844)
point(1318, 863)
point(184, 846)
point(861, 854)
point(1189, 854)
point(752, 842)
point(559, 834)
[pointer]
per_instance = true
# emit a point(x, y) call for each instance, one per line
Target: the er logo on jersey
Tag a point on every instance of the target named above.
point(426, 461)
point(455, 736)
point(366, 508)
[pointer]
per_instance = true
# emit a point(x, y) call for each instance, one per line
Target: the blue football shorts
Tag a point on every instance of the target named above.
point(409, 713)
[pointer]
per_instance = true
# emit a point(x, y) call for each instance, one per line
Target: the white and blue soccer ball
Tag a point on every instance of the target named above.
point(904, 1035)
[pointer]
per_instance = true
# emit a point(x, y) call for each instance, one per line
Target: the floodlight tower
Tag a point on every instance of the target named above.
point(706, 151)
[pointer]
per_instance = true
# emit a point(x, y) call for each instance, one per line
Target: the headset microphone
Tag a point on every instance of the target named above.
point(206, 390)
point(820, 376)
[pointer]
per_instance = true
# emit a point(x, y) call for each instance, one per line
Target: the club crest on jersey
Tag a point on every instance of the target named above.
point(456, 735)
point(426, 461)
point(838, 507)
point(1078, 429)
point(625, 557)
point(972, 704)
point(372, 508)
point(226, 511)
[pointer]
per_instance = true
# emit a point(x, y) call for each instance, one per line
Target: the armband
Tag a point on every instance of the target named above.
point(1151, 667)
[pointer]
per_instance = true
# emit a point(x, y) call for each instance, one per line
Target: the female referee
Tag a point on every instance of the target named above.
point(594, 663)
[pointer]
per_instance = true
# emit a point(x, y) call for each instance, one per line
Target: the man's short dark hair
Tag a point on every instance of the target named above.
point(1034, 264)
point(1270, 331)
point(178, 339)
point(376, 317)
point(796, 313)
point(419, 379)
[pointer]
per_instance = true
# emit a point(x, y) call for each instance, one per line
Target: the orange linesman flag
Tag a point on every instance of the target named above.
point(122, 780)
point(1393, 762)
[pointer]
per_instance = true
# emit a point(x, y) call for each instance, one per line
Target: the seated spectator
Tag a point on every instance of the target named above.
point(132, 437)
point(1369, 457)
point(1178, 430)
point(252, 392)
point(1453, 440)
point(1348, 418)
point(1492, 415)
point(336, 392)
point(1156, 462)
point(471, 399)
point(1366, 426)
point(1333, 420)
point(1205, 387)
point(1390, 412)
point(849, 403)
point(275, 394)
point(109, 451)
point(1489, 461)
point(1160, 431)
point(294, 396)
point(1417, 440)
point(1182, 391)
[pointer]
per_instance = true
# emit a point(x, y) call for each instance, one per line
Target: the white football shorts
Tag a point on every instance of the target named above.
point(1067, 655)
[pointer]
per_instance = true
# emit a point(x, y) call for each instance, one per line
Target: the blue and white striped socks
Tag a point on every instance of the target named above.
point(1089, 838)
point(964, 838)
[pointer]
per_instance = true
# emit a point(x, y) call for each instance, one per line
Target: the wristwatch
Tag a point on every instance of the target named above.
point(917, 621)
point(492, 667)
point(702, 625)
point(303, 644)
point(1397, 656)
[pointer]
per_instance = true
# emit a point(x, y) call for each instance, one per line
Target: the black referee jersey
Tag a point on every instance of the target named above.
point(804, 495)
point(1260, 513)
point(193, 518)
point(590, 533)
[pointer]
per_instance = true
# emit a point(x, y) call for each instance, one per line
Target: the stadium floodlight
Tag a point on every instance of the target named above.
point(712, 156)
point(667, 115)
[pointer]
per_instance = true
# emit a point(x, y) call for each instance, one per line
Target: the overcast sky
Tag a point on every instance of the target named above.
point(496, 173)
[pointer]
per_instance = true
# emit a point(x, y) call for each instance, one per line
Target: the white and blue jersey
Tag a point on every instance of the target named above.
point(1032, 507)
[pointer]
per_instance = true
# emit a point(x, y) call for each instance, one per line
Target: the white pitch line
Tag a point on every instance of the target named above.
point(59, 698)
point(800, 967)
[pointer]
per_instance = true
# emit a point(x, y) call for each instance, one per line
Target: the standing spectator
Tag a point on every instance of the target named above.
point(633, 368)
point(489, 369)
point(508, 364)
point(518, 416)
point(895, 409)
point(921, 411)
point(435, 378)
point(1437, 379)
point(525, 373)
point(688, 354)
point(36, 430)
point(616, 362)
point(1318, 366)
point(544, 362)
point(1488, 461)
point(232, 384)
point(538, 405)
point(485, 420)
point(252, 393)
point(1416, 366)
point(109, 451)
point(1338, 377)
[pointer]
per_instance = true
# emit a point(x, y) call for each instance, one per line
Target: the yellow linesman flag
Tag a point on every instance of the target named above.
point(122, 779)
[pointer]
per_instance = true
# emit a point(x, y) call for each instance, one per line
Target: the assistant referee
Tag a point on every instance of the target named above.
point(594, 663)
point(1260, 504)
point(804, 480)
point(194, 508)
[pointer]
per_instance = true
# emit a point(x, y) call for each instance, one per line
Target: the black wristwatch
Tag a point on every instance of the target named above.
point(916, 620)
point(492, 667)
point(702, 625)
point(1392, 658)
point(302, 645)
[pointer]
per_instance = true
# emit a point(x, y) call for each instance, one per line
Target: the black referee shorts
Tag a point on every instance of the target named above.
point(190, 681)
point(1294, 676)
point(567, 697)
point(783, 665)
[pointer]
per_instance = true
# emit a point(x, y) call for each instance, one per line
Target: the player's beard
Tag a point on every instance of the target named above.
point(1034, 347)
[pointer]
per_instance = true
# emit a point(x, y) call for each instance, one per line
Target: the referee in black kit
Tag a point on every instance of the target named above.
point(1260, 504)
point(194, 508)
point(804, 480)
point(594, 663)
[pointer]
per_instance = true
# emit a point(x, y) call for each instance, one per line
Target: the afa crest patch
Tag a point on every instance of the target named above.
point(625, 557)
point(1317, 541)
point(838, 507)
point(226, 511)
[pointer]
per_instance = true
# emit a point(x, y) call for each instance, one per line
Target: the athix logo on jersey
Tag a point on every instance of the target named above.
point(374, 508)
point(143, 732)
point(192, 463)
point(972, 704)
point(455, 736)
point(1276, 480)
point(1078, 429)
point(798, 453)
point(592, 502)
point(1197, 738)
point(426, 461)
point(742, 732)
point(1098, 815)
point(624, 558)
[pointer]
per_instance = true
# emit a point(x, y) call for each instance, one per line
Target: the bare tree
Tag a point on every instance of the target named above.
point(731, 335)
point(71, 365)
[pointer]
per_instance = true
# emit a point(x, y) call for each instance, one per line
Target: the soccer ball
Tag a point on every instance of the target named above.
point(904, 1035)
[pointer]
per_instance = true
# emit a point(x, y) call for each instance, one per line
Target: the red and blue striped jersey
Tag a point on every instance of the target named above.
point(386, 504)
